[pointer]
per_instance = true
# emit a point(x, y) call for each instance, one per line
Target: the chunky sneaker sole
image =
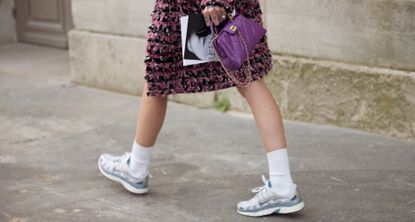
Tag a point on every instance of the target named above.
point(133, 187)
point(293, 205)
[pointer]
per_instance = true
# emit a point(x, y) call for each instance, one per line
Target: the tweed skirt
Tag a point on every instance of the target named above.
point(165, 73)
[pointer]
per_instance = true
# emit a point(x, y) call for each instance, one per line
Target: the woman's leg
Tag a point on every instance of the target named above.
point(150, 118)
point(270, 125)
point(280, 186)
point(266, 113)
point(131, 169)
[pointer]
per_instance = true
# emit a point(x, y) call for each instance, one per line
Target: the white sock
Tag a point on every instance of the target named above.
point(140, 159)
point(279, 172)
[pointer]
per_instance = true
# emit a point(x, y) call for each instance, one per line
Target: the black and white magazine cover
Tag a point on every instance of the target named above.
point(196, 40)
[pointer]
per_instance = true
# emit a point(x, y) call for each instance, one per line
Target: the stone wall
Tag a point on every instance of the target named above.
point(372, 99)
point(378, 33)
point(348, 63)
point(7, 24)
point(107, 46)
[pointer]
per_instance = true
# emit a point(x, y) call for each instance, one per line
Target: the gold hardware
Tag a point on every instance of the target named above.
point(232, 28)
point(245, 69)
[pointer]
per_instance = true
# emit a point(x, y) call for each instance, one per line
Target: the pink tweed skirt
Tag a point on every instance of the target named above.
point(165, 73)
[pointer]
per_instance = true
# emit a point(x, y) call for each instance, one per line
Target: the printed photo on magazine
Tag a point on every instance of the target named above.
point(196, 40)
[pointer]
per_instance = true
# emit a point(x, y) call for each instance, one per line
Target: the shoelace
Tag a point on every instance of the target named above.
point(122, 160)
point(260, 188)
point(125, 157)
point(262, 191)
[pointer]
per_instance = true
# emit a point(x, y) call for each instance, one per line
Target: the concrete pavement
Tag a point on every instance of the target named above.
point(52, 132)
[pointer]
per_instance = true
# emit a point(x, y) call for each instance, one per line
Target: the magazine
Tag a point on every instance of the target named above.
point(196, 40)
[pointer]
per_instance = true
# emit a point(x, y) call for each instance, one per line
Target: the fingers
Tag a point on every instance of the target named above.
point(214, 13)
point(207, 16)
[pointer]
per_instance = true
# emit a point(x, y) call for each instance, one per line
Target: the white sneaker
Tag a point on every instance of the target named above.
point(266, 202)
point(116, 168)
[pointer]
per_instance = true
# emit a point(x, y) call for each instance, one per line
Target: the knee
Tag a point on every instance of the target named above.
point(253, 87)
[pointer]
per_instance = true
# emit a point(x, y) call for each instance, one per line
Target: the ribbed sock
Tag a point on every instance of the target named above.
point(140, 160)
point(279, 172)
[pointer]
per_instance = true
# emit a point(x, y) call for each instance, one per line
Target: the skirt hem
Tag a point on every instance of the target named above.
point(165, 93)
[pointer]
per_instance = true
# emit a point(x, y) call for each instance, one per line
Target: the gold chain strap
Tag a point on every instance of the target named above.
point(244, 70)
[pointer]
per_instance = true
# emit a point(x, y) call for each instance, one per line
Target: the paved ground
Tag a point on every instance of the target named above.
point(52, 132)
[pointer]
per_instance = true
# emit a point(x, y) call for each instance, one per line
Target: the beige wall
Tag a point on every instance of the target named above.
point(115, 17)
point(107, 46)
point(378, 33)
point(7, 23)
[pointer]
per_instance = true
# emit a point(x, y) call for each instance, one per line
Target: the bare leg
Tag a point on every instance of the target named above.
point(150, 118)
point(270, 125)
point(266, 113)
point(131, 169)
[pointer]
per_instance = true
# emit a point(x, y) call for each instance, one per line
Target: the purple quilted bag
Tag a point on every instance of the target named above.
point(234, 43)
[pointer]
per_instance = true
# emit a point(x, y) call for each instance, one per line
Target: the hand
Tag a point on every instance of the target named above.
point(216, 13)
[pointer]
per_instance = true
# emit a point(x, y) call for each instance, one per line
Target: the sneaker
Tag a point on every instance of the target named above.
point(116, 168)
point(266, 202)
